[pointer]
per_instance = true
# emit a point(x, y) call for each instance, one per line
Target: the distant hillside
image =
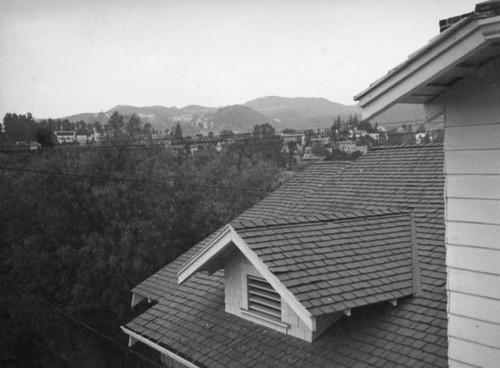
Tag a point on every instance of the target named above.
point(280, 112)
point(88, 117)
point(160, 117)
point(157, 111)
point(238, 118)
point(297, 112)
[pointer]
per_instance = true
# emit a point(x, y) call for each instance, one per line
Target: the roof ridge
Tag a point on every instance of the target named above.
point(319, 217)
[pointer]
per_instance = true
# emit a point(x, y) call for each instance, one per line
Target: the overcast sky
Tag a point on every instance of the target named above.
point(62, 57)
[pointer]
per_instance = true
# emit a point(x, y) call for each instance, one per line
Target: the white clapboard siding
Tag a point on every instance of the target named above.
point(474, 259)
point(482, 137)
point(472, 162)
point(473, 210)
point(473, 186)
point(457, 364)
point(471, 282)
point(477, 331)
point(476, 235)
point(475, 354)
point(483, 109)
point(473, 306)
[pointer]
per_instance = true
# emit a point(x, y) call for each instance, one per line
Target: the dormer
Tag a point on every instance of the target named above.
point(299, 275)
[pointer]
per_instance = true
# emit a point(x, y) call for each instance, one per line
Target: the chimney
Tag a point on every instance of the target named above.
point(485, 9)
point(444, 24)
point(488, 9)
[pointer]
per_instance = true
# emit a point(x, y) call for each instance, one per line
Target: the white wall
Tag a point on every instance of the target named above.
point(472, 166)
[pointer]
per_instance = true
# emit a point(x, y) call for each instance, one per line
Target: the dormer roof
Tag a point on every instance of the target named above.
point(323, 263)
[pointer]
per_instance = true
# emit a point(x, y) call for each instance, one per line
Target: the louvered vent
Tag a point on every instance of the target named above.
point(262, 299)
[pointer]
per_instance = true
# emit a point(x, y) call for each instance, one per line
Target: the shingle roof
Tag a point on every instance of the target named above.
point(189, 319)
point(338, 261)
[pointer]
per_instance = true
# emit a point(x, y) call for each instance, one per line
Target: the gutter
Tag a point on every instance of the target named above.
point(134, 337)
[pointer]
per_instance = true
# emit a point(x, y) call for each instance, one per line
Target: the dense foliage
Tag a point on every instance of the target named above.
point(79, 228)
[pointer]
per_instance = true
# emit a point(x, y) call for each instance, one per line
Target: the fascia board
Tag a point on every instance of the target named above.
point(206, 254)
point(491, 28)
point(432, 43)
point(137, 337)
point(281, 289)
point(423, 68)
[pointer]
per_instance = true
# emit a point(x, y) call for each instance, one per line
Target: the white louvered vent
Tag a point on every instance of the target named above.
point(262, 299)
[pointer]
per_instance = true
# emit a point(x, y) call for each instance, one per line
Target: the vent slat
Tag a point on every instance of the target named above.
point(263, 299)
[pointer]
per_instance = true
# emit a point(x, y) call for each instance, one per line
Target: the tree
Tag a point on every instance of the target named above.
point(19, 127)
point(226, 134)
point(318, 149)
point(421, 128)
point(116, 125)
point(263, 130)
point(45, 136)
point(133, 125)
point(365, 125)
point(83, 242)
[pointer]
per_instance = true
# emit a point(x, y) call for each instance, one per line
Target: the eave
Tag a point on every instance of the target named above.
point(426, 74)
point(134, 337)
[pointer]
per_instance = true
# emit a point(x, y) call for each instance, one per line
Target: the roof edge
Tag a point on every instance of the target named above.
point(440, 55)
point(434, 41)
point(206, 253)
point(135, 336)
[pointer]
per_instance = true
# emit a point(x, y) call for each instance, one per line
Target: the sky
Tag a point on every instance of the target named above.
point(63, 57)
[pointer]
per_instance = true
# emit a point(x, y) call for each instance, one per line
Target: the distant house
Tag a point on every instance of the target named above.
point(82, 138)
point(65, 136)
point(293, 137)
point(420, 137)
point(457, 78)
point(363, 149)
point(347, 146)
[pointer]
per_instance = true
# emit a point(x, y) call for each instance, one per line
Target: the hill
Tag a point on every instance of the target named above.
point(239, 118)
point(296, 112)
point(280, 112)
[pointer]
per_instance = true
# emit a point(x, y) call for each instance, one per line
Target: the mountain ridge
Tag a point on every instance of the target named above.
point(280, 112)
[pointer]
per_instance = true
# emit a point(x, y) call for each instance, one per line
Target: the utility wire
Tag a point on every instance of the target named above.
point(83, 324)
point(95, 177)
point(326, 132)
point(215, 139)
point(153, 143)
point(46, 348)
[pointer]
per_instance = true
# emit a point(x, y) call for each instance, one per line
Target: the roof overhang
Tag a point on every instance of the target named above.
point(223, 244)
point(427, 73)
point(134, 337)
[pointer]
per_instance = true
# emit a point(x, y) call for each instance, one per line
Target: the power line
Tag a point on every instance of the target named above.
point(83, 324)
point(145, 143)
point(46, 348)
point(96, 177)
point(157, 142)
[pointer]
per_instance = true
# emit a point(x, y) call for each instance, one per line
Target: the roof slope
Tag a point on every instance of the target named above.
point(336, 262)
point(189, 319)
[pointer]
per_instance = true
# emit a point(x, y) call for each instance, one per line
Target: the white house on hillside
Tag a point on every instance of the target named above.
point(457, 77)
